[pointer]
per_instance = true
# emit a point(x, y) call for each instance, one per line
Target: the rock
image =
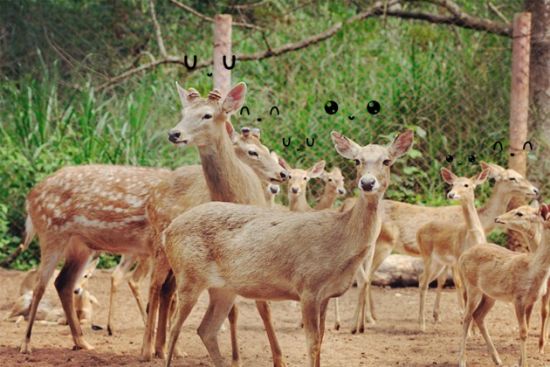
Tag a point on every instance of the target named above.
point(400, 271)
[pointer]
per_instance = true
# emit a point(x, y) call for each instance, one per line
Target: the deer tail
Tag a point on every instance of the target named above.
point(29, 233)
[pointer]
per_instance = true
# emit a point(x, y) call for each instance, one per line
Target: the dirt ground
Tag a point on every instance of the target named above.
point(393, 341)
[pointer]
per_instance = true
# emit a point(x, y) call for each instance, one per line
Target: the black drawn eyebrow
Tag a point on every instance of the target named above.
point(186, 62)
point(272, 108)
point(233, 61)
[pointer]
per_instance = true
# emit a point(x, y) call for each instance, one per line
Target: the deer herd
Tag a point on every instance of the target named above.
point(216, 227)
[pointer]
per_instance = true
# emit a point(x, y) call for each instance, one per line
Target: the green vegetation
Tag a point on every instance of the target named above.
point(448, 84)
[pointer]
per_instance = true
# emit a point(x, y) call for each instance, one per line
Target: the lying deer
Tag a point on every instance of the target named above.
point(440, 245)
point(406, 219)
point(491, 272)
point(49, 310)
point(307, 257)
point(205, 124)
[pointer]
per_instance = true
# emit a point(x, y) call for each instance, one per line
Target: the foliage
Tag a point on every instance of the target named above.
point(447, 84)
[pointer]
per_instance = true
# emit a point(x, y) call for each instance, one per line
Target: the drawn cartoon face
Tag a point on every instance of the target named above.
point(226, 65)
point(373, 108)
point(274, 111)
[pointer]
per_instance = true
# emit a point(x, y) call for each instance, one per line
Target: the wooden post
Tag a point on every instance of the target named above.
point(222, 47)
point(519, 105)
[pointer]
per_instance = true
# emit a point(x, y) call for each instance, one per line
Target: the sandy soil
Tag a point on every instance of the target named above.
point(393, 341)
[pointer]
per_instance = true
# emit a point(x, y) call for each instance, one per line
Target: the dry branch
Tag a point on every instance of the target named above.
point(210, 19)
point(158, 33)
point(386, 8)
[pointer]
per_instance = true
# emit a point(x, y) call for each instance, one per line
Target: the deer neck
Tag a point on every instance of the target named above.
point(539, 267)
point(227, 177)
point(361, 225)
point(327, 200)
point(476, 233)
point(496, 205)
point(298, 203)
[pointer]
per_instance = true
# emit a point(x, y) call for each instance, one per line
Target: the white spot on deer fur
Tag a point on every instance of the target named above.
point(134, 201)
point(214, 277)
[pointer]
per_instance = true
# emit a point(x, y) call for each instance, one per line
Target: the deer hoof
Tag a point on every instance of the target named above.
point(337, 326)
point(25, 348)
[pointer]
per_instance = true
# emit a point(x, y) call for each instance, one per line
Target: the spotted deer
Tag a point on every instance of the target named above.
point(205, 124)
point(491, 272)
point(97, 207)
point(406, 219)
point(441, 245)
point(307, 257)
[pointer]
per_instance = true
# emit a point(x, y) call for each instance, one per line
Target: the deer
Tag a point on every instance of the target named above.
point(205, 124)
point(402, 222)
point(134, 270)
point(441, 245)
point(490, 272)
point(334, 187)
point(50, 312)
point(80, 209)
point(301, 256)
point(297, 185)
point(532, 235)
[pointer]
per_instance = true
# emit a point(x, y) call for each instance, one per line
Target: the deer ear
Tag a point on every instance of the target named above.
point(448, 176)
point(401, 144)
point(494, 169)
point(284, 164)
point(317, 170)
point(482, 177)
point(185, 96)
point(235, 98)
point(231, 132)
point(346, 147)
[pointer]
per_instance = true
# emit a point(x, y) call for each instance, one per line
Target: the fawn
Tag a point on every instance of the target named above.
point(216, 246)
point(441, 245)
point(297, 185)
point(334, 186)
point(49, 311)
point(205, 124)
point(490, 273)
point(405, 221)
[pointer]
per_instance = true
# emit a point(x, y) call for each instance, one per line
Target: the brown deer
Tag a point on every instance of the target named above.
point(440, 245)
point(334, 187)
point(490, 272)
point(407, 219)
point(307, 257)
point(205, 124)
point(297, 185)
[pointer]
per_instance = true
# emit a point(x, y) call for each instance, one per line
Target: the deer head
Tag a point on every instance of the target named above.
point(373, 161)
point(299, 178)
point(334, 181)
point(511, 181)
point(463, 188)
point(524, 219)
point(88, 272)
point(250, 150)
point(203, 118)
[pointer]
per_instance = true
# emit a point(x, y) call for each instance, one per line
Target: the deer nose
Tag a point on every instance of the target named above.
point(342, 191)
point(367, 184)
point(174, 135)
point(536, 191)
point(451, 195)
point(295, 190)
point(77, 291)
point(274, 189)
point(284, 175)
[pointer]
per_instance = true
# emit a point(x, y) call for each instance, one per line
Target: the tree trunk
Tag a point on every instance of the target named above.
point(540, 91)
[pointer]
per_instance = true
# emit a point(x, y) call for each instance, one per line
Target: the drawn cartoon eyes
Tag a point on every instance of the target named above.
point(331, 107)
point(498, 144)
point(224, 60)
point(309, 142)
point(259, 119)
point(373, 107)
point(274, 108)
point(244, 108)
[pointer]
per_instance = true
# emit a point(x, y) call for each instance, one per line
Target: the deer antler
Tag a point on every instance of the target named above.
point(214, 95)
point(193, 94)
point(256, 133)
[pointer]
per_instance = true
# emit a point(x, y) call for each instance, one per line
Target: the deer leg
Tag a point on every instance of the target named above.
point(359, 315)
point(521, 315)
point(423, 283)
point(49, 258)
point(458, 287)
point(380, 254)
point(116, 278)
point(161, 268)
point(441, 280)
point(322, 319)
point(76, 259)
point(311, 315)
point(265, 314)
point(134, 287)
point(544, 308)
point(233, 316)
point(166, 293)
point(187, 298)
point(221, 302)
point(473, 299)
point(140, 272)
point(479, 316)
point(337, 313)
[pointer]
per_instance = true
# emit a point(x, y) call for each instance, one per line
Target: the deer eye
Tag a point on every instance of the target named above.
point(449, 158)
point(305, 178)
point(386, 162)
point(357, 162)
point(330, 180)
point(466, 185)
point(207, 116)
point(519, 214)
point(252, 153)
point(513, 179)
